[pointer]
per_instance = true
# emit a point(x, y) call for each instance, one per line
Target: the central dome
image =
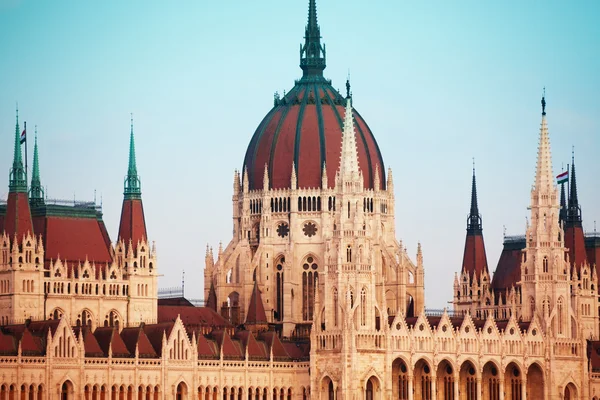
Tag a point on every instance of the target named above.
point(305, 128)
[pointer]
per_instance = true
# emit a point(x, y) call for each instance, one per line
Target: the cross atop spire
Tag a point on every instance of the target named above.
point(544, 179)
point(133, 188)
point(18, 177)
point(474, 219)
point(312, 53)
point(36, 192)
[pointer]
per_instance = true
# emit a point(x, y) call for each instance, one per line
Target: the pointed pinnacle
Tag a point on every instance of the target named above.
point(132, 181)
point(18, 180)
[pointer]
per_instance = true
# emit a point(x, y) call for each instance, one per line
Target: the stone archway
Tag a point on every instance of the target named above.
point(372, 389)
point(422, 381)
point(181, 392)
point(445, 381)
point(327, 389)
point(535, 382)
point(513, 382)
point(570, 392)
point(67, 391)
point(490, 382)
point(400, 379)
point(468, 381)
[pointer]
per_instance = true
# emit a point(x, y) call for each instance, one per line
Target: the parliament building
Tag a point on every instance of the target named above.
point(314, 297)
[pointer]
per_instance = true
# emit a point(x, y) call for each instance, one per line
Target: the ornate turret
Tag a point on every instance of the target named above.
point(18, 215)
point(36, 192)
point(574, 238)
point(562, 215)
point(474, 259)
point(133, 225)
point(349, 172)
point(312, 54)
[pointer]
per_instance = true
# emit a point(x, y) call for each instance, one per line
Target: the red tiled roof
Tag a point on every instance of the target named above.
point(508, 271)
point(206, 348)
point(575, 242)
point(592, 247)
point(73, 239)
point(230, 349)
point(306, 128)
point(474, 257)
point(275, 345)
point(8, 344)
point(31, 345)
point(18, 216)
point(256, 310)
point(297, 350)
point(191, 316)
point(176, 301)
point(255, 349)
point(108, 337)
point(41, 328)
point(90, 344)
point(211, 302)
point(155, 333)
point(136, 336)
point(133, 224)
point(594, 354)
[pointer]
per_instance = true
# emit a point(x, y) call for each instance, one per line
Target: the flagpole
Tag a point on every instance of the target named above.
point(25, 126)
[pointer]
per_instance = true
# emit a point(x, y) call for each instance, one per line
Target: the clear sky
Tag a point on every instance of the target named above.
point(439, 82)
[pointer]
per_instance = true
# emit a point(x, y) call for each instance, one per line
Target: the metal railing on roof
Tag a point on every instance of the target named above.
point(514, 238)
point(438, 312)
point(593, 234)
point(170, 293)
point(74, 203)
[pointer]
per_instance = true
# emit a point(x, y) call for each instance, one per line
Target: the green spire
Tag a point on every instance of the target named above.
point(36, 192)
point(133, 188)
point(312, 54)
point(18, 177)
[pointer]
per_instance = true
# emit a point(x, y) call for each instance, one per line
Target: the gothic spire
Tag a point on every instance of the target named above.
point(18, 178)
point(312, 53)
point(132, 181)
point(474, 219)
point(36, 192)
point(573, 211)
point(544, 179)
point(562, 215)
point(349, 156)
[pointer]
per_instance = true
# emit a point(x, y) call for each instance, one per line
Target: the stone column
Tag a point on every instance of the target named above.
point(524, 388)
point(410, 387)
point(456, 383)
point(479, 388)
point(501, 377)
point(433, 384)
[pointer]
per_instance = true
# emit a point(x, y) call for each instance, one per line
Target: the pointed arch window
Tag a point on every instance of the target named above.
point(309, 287)
point(279, 278)
point(335, 307)
point(363, 307)
point(560, 306)
point(545, 264)
point(349, 254)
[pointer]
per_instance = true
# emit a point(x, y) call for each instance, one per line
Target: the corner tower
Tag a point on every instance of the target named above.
point(18, 221)
point(471, 289)
point(133, 252)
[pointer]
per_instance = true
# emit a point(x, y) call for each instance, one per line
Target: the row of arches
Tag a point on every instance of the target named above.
point(23, 392)
point(239, 393)
point(86, 318)
point(121, 392)
point(280, 204)
point(84, 288)
point(309, 203)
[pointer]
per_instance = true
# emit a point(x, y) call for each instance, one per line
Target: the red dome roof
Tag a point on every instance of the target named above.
point(305, 127)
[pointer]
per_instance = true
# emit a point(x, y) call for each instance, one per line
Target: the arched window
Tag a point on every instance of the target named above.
point(279, 283)
point(363, 307)
point(335, 307)
point(545, 265)
point(309, 283)
point(112, 319)
point(560, 318)
point(349, 254)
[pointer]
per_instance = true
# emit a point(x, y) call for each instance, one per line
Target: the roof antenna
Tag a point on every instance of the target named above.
point(183, 284)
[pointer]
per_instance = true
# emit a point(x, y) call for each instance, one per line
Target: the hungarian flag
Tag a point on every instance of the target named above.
point(562, 177)
point(23, 136)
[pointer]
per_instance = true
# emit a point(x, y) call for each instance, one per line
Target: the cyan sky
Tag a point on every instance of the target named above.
point(438, 83)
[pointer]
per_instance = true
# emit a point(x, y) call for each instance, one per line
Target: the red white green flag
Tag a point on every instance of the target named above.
point(562, 177)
